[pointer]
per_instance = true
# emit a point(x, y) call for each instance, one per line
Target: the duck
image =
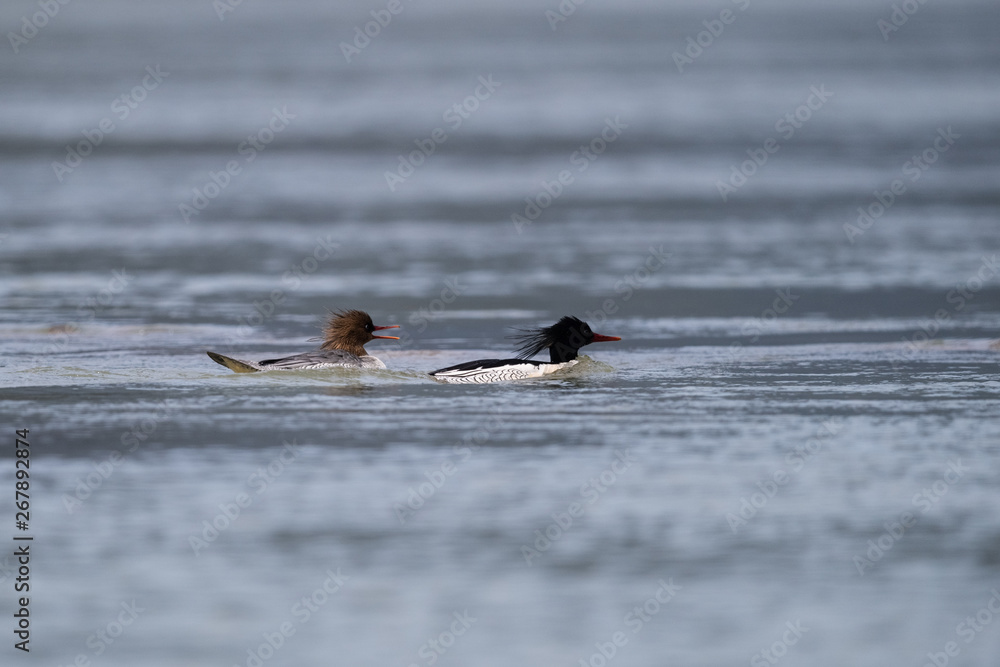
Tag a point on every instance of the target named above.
point(344, 337)
point(563, 340)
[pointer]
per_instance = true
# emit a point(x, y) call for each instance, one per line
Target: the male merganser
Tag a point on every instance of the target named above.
point(344, 338)
point(564, 339)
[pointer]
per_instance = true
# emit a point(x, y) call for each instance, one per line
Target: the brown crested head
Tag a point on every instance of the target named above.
point(350, 330)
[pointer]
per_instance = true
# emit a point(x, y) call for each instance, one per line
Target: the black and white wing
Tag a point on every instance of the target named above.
point(316, 359)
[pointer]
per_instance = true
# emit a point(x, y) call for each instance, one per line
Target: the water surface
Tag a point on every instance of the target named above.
point(787, 395)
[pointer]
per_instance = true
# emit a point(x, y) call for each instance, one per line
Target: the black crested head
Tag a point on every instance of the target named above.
point(563, 339)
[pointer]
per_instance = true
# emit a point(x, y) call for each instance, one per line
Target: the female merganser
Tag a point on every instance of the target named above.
point(344, 338)
point(564, 339)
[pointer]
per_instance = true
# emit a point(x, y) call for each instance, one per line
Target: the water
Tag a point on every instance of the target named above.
point(794, 446)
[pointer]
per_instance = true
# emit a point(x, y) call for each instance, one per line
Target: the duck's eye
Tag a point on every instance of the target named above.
point(369, 327)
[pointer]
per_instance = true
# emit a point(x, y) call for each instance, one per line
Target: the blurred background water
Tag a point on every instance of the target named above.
point(796, 380)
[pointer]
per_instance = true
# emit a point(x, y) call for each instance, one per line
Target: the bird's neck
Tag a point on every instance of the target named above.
point(356, 349)
point(561, 353)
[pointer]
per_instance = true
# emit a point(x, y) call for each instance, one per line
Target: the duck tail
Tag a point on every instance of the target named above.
point(234, 365)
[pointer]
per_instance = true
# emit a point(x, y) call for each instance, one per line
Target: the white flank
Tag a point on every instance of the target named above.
point(501, 373)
